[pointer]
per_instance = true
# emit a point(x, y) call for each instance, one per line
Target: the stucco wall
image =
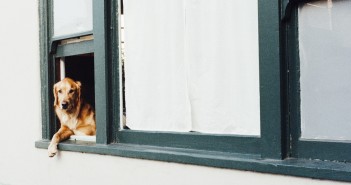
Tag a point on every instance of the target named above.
point(20, 125)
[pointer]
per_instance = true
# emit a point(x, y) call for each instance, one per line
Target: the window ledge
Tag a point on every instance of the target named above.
point(296, 167)
point(83, 138)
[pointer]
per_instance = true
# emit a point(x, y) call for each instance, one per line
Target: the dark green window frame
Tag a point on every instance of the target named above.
point(271, 152)
point(306, 148)
point(50, 50)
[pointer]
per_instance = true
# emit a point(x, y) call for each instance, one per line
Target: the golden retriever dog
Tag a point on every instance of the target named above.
point(76, 116)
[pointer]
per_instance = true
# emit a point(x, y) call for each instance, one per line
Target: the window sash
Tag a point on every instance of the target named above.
point(300, 147)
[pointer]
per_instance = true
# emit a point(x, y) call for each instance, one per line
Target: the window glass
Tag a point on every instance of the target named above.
point(71, 17)
point(192, 66)
point(325, 45)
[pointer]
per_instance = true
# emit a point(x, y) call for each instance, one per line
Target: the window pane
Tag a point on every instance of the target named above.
point(325, 45)
point(71, 17)
point(192, 66)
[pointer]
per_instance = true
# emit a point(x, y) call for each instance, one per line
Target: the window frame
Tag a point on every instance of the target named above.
point(322, 149)
point(270, 153)
point(50, 49)
point(269, 142)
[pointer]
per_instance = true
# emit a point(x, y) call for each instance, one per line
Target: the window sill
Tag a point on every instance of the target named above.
point(296, 167)
point(83, 138)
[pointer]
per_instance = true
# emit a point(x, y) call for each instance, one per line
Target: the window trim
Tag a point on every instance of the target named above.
point(320, 149)
point(269, 154)
point(46, 65)
point(192, 140)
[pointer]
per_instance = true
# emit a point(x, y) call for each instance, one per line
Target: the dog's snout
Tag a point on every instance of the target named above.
point(64, 105)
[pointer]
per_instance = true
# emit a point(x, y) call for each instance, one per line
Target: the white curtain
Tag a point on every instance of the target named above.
point(192, 65)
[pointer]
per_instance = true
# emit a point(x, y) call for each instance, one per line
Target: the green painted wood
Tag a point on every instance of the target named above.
point(105, 23)
point(324, 150)
point(270, 79)
point(43, 32)
point(295, 167)
point(54, 123)
point(47, 71)
point(114, 109)
point(79, 48)
point(106, 70)
point(101, 59)
point(192, 140)
point(70, 36)
point(292, 57)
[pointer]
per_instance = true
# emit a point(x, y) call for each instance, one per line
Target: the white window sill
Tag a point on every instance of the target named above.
point(83, 138)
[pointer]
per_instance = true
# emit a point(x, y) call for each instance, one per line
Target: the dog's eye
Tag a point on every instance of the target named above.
point(60, 91)
point(71, 91)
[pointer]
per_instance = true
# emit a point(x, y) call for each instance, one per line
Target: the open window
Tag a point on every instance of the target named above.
point(80, 68)
point(72, 48)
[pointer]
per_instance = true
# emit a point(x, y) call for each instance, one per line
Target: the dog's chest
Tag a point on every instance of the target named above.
point(70, 122)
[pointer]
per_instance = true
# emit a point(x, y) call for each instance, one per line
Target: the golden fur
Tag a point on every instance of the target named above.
point(76, 116)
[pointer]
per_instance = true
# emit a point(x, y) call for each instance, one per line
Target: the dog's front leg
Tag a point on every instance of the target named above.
point(63, 134)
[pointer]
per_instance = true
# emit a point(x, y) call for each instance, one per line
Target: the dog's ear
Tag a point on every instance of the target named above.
point(79, 89)
point(78, 84)
point(55, 95)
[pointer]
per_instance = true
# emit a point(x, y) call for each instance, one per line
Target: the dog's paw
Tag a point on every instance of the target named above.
point(52, 150)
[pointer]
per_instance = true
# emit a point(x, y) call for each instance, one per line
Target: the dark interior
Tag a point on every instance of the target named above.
point(81, 68)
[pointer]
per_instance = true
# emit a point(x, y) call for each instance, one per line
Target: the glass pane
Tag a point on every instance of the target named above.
point(71, 17)
point(192, 66)
point(325, 45)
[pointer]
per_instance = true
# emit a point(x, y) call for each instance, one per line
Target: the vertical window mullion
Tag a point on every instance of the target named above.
point(101, 73)
point(270, 79)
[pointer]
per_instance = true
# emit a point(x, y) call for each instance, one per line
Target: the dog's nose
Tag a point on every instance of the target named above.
point(64, 105)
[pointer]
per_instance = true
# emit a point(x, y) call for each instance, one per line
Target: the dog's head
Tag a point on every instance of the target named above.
point(67, 94)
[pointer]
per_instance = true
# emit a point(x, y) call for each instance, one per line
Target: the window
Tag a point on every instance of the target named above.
point(69, 50)
point(320, 84)
point(275, 147)
point(191, 77)
point(76, 18)
point(166, 97)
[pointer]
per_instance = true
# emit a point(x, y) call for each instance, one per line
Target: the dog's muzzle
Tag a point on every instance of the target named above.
point(64, 105)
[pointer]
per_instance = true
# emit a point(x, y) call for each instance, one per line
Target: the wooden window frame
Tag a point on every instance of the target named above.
point(271, 152)
point(321, 149)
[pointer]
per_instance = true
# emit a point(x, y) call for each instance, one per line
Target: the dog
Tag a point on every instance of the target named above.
point(76, 116)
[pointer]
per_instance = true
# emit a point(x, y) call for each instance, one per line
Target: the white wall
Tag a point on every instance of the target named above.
point(20, 126)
